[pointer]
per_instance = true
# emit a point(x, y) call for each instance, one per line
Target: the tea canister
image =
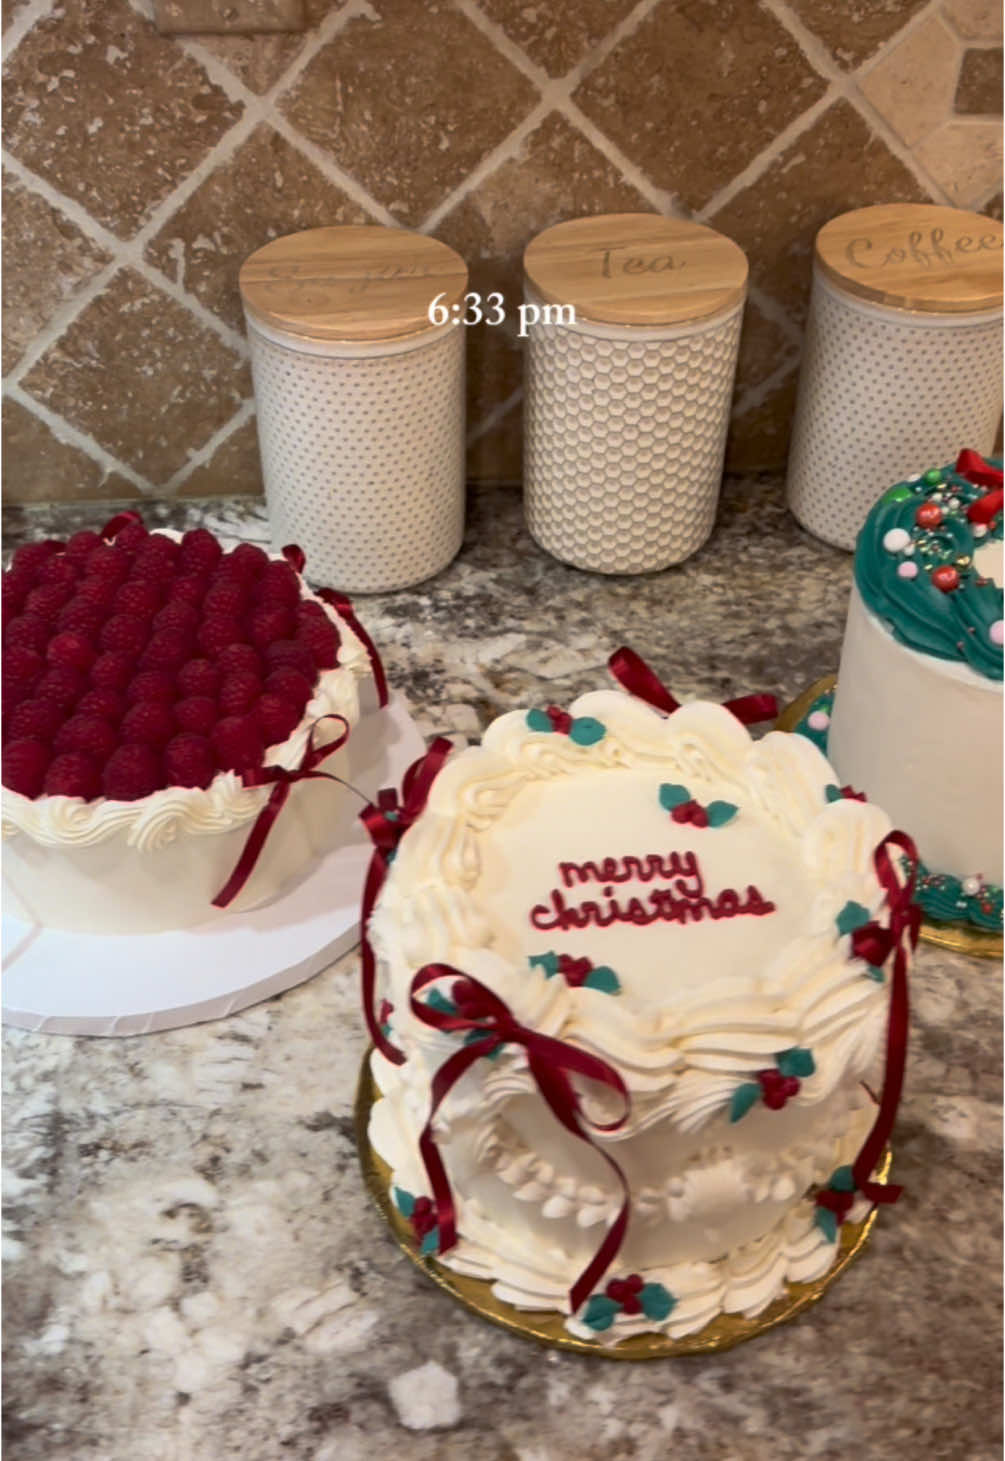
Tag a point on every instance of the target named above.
point(630, 367)
point(360, 400)
point(902, 362)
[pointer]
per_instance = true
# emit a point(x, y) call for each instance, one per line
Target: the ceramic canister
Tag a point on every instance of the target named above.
point(360, 401)
point(630, 371)
point(902, 363)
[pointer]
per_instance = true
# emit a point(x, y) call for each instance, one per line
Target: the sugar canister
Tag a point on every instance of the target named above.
point(360, 400)
point(630, 367)
point(902, 363)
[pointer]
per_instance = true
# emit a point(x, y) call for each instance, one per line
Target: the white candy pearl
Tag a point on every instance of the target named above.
point(819, 720)
point(907, 570)
point(971, 886)
point(909, 551)
point(996, 633)
point(980, 531)
point(896, 539)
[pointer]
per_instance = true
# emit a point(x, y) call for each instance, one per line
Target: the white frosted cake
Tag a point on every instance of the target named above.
point(674, 921)
point(916, 721)
point(155, 689)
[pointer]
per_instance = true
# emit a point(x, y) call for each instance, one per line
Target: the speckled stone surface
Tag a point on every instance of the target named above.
point(195, 1272)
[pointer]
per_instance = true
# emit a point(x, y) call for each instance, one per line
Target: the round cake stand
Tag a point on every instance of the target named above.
point(549, 1328)
point(961, 938)
point(64, 983)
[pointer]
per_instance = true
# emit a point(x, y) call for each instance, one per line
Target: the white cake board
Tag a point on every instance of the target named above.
point(64, 983)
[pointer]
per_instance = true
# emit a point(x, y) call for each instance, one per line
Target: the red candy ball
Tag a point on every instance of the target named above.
point(928, 515)
point(946, 578)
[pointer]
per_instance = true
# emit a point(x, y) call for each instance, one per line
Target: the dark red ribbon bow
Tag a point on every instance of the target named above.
point(282, 782)
point(874, 943)
point(387, 820)
point(342, 605)
point(631, 671)
point(981, 473)
point(552, 1063)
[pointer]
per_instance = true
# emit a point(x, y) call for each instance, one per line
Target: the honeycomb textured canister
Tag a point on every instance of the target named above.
point(363, 455)
point(624, 439)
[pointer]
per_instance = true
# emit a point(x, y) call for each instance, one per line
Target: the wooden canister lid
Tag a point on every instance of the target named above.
point(915, 256)
point(636, 269)
point(352, 282)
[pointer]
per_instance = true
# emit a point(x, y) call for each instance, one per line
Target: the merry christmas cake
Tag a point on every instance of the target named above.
point(169, 708)
point(627, 975)
point(916, 721)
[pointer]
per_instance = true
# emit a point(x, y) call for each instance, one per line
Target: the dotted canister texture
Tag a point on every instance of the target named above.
point(363, 454)
point(625, 432)
point(885, 393)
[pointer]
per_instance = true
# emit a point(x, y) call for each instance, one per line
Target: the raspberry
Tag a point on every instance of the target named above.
point(48, 599)
point(81, 546)
point(224, 601)
point(197, 713)
point(35, 720)
point(187, 589)
point(82, 617)
point(189, 761)
point(320, 637)
point(238, 742)
point(62, 684)
point(247, 559)
point(270, 623)
point(107, 562)
point(166, 651)
point(26, 631)
point(112, 670)
point(95, 590)
point(277, 718)
point(24, 766)
point(278, 585)
point(290, 685)
point(287, 652)
point(57, 569)
point(88, 733)
point(30, 556)
point(22, 666)
point(177, 615)
point(139, 598)
point(16, 587)
point(151, 685)
point(125, 634)
point(199, 551)
point(239, 659)
point(71, 649)
point(155, 560)
point(107, 704)
point(238, 693)
point(199, 677)
point(150, 721)
point(130, 538)
point(215, 634)
point(73, 774)
point(131, 772)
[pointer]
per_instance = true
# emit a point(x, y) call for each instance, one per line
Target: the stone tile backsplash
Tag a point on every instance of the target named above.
point(141, 168)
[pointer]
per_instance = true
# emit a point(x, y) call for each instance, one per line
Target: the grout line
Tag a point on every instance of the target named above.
point(772, 310)
point(502, 43)
point(205, 453)
point(493, 417)
point(70, 435)
point(662, 201)
point(504, 151)
point(756, 395)
point(330, 170)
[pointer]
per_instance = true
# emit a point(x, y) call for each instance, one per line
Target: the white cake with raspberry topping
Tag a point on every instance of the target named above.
point(150, 681)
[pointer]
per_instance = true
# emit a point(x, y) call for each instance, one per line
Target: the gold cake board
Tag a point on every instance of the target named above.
point(961, 938)
point(548, 1328)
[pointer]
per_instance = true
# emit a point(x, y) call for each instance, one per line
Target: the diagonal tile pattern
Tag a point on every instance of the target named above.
point(141, 169)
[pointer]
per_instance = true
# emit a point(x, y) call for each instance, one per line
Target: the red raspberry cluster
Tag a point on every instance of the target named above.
point(692, 812)
point(776, 1088)
point(145, 662)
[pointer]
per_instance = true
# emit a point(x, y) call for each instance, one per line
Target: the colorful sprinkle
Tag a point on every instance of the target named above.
point(907, 569)
point(896, 540)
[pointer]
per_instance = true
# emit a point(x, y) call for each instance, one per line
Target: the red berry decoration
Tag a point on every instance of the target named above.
point(80, 547)
point(151, 723)
point(197, 713)
point(251, 561)
point(278, 585)
point(776, 1088)
point(86, 733)
point(321, 638)
point(151, 685)
point(24, 766)
point(130, 538)
point(215, 634)
point(289, 684)
point(73, 774)
point(30, 556)
point(97, 590)
point(131, 772)
point(278, 718)
point(35, 720)
point(61, 684)
point(199, 677)
point(112, 670)
point(189, 761)
point(287, 652)
point(166, 651)
point(22, 666)
point(106, 704)
point(225, 600)
point(15, 589)
point(928, 515)
point(71, 649)
point(139, 598)
point(49, 598)
point(58, 570)
point(946, 578)
point(239, 659)
point(237, 741)
point(199, 551)
point(124, 633)
point(270, 623)
point(187, 589)
point(83, 617)
point(238, 693)
point(177, 616)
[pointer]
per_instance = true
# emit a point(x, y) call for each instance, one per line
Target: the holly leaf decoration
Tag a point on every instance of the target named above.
point(438, 1001)
point(430, 1243)
point(600, 1312)
point(843, 1180)
point(672, 796)
point(604, 979)
point(657, 1302)
point(586, 731)
point(719, 813)
point(744, 1097)
point(473, 1035)
point(797, 1062)
point(875, 972)
point(547, 962)
point(852, 916)
point(832, 793)
point(538, 720)
point(827, 1222)
point(404, 1202)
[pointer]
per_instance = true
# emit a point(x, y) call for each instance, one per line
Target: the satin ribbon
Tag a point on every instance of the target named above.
point(121, 520)
point(296, 558)
point(971, 464)
point(632, 672)
point(874, 943)
point(282, 782)
point(552, 1063)
point(387, 820)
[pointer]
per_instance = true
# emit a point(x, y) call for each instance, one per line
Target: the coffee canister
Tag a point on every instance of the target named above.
point(630, 366)
point(902, 363)
point(360, 400)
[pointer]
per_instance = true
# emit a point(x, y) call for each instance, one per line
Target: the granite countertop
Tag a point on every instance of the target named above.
point(194, 1269)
